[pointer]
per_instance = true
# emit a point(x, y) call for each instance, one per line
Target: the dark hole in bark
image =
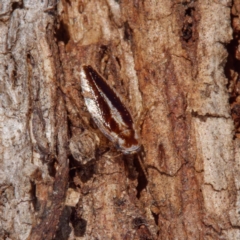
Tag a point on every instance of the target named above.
point(79, 224)
point(232, 73)
point(103, 49)
point(69, 126)
point(128, 33)
point(51, 167)
point(135, 170)
point(37, 205)
point(188, 11)
point(155, 216)
point(130, 166)
point(232, 63)
point(72, 171)
point(30, 59)
point(16, 5)
point(236, 110)
point(33, 195)
point(84, 172)
point(142, 180)
point(119, 62)
point(64, 230)
point(161, 155)
point(62, 33)
point(187, 30)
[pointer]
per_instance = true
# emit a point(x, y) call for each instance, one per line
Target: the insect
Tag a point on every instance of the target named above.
point(109, 113)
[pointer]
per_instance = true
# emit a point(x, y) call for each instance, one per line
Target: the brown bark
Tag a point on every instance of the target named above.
point(174, 65)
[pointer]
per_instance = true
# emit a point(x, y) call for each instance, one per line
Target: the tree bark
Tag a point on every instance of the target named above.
point(175, 65)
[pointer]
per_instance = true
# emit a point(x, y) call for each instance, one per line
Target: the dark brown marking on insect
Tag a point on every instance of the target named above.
point(104, 109)
point(129, 136)
point(95, 78)
point(113, 125)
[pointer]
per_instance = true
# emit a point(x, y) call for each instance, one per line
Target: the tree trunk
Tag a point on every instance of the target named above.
point(174, 65)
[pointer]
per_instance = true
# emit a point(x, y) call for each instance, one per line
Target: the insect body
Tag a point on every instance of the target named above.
point(108, 112)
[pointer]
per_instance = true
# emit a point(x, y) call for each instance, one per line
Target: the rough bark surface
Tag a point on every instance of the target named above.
point(175, 65)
